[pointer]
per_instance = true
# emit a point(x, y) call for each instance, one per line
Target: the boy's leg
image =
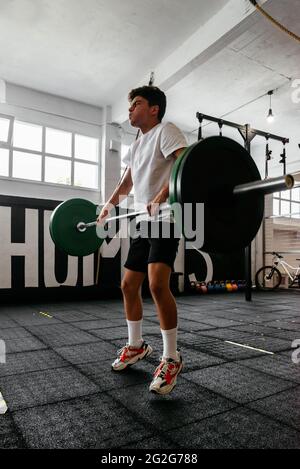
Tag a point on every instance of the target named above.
point(135, 273)
point(131, 289)
point(159, 280)
point(136, 349)
point(165, 376)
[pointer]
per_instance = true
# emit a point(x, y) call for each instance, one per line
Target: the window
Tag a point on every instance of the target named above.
point(58, 142)
point(57, 170)
point(45, 154)
point(4, 129)
point(27, 136)
point(86, 175)
point(295, 194)
point(4, 162)
point(295, 209)
point(27, 166)
point(287, 203)
point(285, 207)
point(86, 148)
point(276, 207)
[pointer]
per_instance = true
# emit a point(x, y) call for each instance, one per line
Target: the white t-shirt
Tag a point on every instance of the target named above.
point(150, 159)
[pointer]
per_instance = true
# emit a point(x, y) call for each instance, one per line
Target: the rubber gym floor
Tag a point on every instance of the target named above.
point(61, 392)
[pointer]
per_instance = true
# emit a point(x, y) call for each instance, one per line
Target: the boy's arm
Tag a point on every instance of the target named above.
point(122, 189)
point(164, 192)
point(120, 193)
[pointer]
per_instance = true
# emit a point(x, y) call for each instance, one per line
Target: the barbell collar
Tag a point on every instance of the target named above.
point(296, 177)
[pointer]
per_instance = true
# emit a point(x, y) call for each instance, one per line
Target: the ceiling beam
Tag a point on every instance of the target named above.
point(224, 27)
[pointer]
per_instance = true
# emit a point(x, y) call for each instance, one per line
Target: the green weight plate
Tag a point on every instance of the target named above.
point(174, 173)
point(208, 174)
point(63, 227)
point(173, 199)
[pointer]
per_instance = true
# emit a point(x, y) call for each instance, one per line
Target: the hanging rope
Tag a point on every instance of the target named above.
point(270, 18)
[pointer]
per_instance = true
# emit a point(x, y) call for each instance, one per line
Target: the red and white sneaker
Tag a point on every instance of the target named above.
point(129, 355)
point(165, 375)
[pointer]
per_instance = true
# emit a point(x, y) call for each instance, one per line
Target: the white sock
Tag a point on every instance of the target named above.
point(170, 343)
point(135, 333)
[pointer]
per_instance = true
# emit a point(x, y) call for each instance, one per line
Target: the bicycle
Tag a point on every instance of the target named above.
point(269, 277)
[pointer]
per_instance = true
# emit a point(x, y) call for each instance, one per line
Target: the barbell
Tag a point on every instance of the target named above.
point(217, 172)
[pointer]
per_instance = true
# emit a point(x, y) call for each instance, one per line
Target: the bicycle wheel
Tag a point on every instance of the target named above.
point(267, 278)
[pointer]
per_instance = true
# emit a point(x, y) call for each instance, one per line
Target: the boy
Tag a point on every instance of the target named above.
point(149, 163)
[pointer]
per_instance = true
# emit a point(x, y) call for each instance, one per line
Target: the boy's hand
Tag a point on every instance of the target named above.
point(160, 198)
point(104, 213)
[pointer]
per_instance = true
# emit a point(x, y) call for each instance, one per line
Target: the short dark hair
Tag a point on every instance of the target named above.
point(154, 96)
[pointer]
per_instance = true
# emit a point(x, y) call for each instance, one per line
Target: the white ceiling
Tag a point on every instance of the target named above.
point(95, 51)
point(233, 82)
point(89, 50)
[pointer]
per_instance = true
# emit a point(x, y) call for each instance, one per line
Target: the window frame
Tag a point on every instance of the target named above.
point(73, 145)
point(11, 119)
point(9, 145)
point(278, 196)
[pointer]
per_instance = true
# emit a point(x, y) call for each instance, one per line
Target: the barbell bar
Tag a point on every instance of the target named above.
point(216, 171)
point(267, 187)
point(81, 226)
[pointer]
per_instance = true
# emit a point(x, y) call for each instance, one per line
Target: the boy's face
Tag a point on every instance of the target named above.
point(140, 113)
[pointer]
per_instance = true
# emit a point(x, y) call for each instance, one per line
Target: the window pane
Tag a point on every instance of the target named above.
point(58, 142)
point(27, 166)
point(4, 159)
point(57, 170)
point(286, 194)
point(285, 207)
point(86, 175)
point(27, 136)
point(296, 194)
point(86, 148)
point(4, 128)
point(276, 194)
point(295, 210)
point(276, 207)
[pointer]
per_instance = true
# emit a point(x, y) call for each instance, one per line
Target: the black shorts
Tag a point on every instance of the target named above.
point(154, 242)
